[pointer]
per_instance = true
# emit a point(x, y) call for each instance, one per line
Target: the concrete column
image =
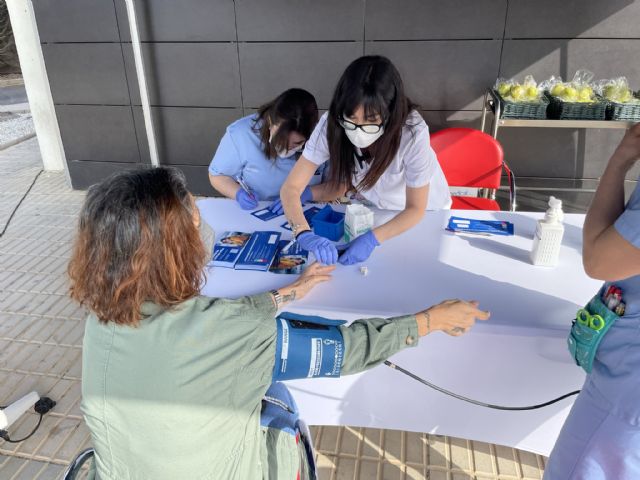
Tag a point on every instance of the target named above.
point(36, 82)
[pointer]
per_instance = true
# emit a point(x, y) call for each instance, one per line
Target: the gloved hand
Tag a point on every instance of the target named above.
point(246, 200)
point(360, 249)
point(276, 207)
point(323, 249)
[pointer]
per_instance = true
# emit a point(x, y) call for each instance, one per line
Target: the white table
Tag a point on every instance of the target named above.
point(519, 357)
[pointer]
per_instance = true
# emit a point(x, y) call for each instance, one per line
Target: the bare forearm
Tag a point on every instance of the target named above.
point(227, 186)
point(325, 192)
point(290, 197)
point(401, 223)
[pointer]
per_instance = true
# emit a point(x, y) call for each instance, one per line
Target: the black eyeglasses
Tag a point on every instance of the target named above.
point(366, 128)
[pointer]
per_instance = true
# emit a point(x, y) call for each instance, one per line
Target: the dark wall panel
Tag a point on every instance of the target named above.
point(85, 173)
point(440, 119)
point(208, 61)
point(598, 148)
point(444, 75)
point(542, 58)
point(184, 74)
point(102, 133)
point(540, 153)
point(76, 20)
point(301, 20)
point(561, 153)
point(180, 21)
point(186, 136)
point(573, 19)
point(270, 68)
point(198, 180)
point(433, 19)
point(86, 73)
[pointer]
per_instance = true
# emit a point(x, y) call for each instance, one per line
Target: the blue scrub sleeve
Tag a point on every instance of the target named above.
point(628, 225)
point(227, 160)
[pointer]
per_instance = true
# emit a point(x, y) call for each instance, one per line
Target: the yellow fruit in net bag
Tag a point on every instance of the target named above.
point(532, 93)
point(518, 92)
point(570, 94)
point(503, 89)
point(557, 90)
point(585, 94)
point(626, 96)
point(610, 92)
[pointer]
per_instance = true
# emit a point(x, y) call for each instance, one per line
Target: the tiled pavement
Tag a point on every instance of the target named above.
point(40, 349)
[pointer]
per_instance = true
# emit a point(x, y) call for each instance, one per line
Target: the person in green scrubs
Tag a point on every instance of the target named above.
point(173, 382)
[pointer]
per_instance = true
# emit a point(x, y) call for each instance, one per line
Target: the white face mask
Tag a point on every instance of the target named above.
point(283, 153)
point(362, 139)
point(287, 153)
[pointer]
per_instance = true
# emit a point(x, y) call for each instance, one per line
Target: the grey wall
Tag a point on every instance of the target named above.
point(212, 61)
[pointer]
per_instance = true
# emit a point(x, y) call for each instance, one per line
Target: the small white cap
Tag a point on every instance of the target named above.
point(555, 202)
point(364, 270)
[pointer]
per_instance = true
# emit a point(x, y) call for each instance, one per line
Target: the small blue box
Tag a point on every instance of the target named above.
point(329, 224)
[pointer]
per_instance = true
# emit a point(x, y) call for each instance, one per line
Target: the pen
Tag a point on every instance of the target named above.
point(244, 187)
point(286, 248)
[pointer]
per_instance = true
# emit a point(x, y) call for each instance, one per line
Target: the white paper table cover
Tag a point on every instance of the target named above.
point(519, 357)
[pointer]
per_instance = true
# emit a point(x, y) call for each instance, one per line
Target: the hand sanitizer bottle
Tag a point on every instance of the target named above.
point(548, 238)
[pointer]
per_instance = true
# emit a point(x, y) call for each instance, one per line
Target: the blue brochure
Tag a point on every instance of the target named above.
point(265, 214)
point(482, 227)
point(291, 261)
point(308, 215)
point(259, 252)
point(228, 248)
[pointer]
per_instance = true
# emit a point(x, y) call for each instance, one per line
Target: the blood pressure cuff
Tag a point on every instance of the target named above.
point(307, 347)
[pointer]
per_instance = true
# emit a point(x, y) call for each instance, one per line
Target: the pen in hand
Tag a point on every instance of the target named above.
point(245, 187)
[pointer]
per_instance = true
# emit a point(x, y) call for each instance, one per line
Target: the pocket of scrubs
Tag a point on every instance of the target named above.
point(583, 340)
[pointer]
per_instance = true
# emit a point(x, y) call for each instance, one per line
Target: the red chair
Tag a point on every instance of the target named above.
point(473, 160)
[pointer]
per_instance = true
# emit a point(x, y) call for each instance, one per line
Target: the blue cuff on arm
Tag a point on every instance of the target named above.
point(307, 346)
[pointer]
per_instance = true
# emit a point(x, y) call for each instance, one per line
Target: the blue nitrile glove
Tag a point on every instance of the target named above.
point(359, 249)
point(246, 200)
point(323, 249)
point(276, 207)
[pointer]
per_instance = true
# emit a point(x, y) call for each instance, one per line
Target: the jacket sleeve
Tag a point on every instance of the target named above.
point(371, 341)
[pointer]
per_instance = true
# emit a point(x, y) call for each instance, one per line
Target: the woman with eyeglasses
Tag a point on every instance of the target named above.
point(257, 152)
point(376, 146)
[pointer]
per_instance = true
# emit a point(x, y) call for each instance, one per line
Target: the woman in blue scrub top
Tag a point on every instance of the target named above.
point(259, 150)
point(601, 437)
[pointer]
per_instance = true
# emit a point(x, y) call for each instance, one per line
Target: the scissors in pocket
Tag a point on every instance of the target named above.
point(595, 322)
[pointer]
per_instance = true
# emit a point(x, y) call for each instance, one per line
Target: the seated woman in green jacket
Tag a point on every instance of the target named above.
point(172, 381)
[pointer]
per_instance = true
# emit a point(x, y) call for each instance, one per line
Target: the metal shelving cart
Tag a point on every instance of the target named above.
point(492, 104)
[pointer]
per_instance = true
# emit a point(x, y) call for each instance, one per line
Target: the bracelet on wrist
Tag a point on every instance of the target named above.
point(277, 298)
point(301, 232)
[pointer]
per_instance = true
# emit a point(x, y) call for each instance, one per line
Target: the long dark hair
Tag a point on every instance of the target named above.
point(374, 83)
point(295, 110)
point(136, 242)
